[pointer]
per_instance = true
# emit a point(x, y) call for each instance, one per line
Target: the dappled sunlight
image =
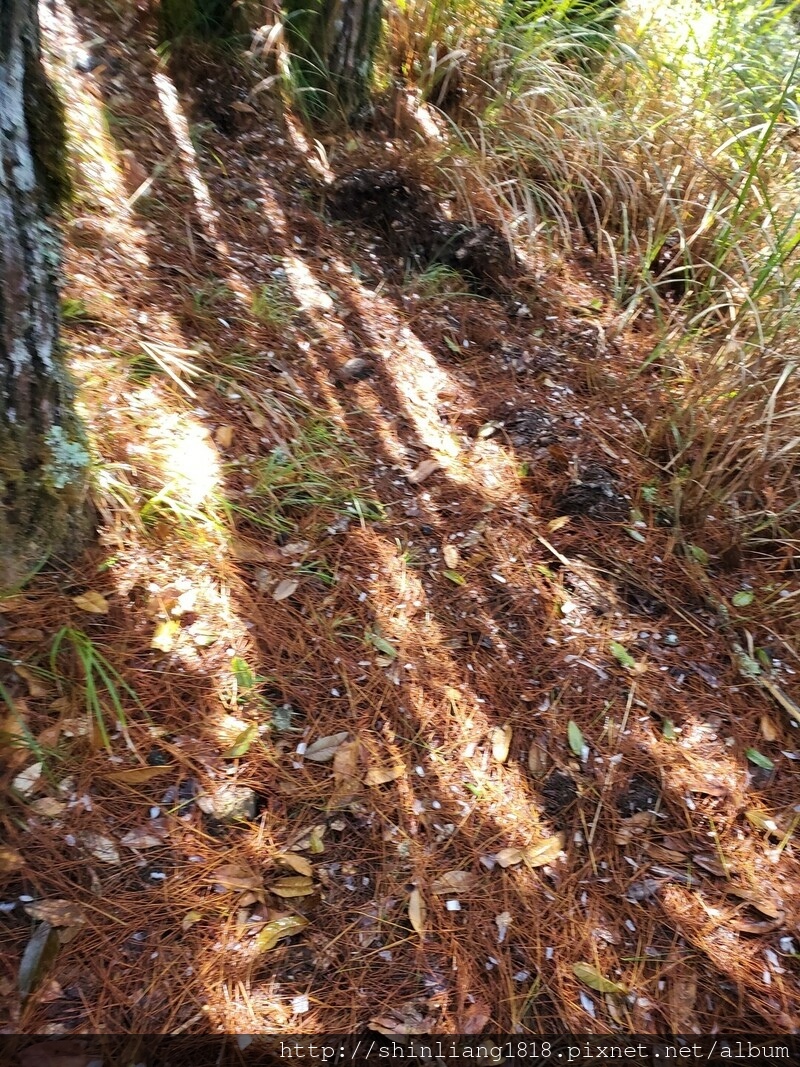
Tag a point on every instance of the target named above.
point(433, 730)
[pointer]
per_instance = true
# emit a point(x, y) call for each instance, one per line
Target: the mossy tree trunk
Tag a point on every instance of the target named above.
point(43, 458)
point(333, 43)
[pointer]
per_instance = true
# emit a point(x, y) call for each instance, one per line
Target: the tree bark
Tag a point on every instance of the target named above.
point(43, 455)
point(333, 43)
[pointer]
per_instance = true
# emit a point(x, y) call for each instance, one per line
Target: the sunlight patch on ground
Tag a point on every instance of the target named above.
point(90, 143)
point(207, 213)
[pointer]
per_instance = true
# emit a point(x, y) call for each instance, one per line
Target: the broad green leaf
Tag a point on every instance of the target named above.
point(668, 730)
point(575, 737)
point(590, 976)
point(622, 655)
point(743, 598)
point(760, 760)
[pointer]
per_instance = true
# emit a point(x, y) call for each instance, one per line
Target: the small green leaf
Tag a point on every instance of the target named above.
point(636, 535)
point(455, 577)
point(743, 598)
point(595, 980)
point(575, 737)
point(242, 743)
point(650, 493)
point(38, 955)
point(760, 760)
point(282, 717)
point(622, 655)
point(763, 658)
point(245, 679)
point(668, 730)
point(747, 665)
point(699, 554)
point(381, 644)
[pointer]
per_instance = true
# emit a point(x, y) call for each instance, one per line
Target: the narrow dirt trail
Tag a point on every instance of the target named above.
point(531, 809)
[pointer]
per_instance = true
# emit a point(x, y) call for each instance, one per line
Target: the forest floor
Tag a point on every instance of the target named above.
point(416, 621)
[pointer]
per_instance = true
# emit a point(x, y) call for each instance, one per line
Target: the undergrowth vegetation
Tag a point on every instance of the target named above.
point(668, 143)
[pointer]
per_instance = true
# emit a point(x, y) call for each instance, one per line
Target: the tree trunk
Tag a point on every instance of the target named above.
point(43, 456)
point(333, 44)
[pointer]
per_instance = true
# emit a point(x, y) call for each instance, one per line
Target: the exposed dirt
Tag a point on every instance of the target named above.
point(442, 553)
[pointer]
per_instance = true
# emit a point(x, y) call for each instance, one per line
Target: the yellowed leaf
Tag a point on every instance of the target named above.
point(92, 602)
point(295, 862)
point(234, 876)
point(417, 912)
point(769, 730)
point(422, 471)
point(680, 999)
point(474, 1019)
point(165, 635)
point(292, 886)
point(256, 418)
point(763, 822)
point(588, 974)
point(269, 935)
point(537, 760)
point(284, 589)
point(102, 848)
point(190, 918)
point(24, 635)
point(316, 845)
point(141, 837)
point(138, 775)
point(544, 852)
point(224, 436)
point(509, 857)
point(559, 523)
point(454, 882)
point(57, 912)
point(48, 806)
point(382, 775)
point(346, 761)
point(450, 556)
point(10, 860)
point(242, 742)
point(37, 689)
point(500, 737)
point(27, 781)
